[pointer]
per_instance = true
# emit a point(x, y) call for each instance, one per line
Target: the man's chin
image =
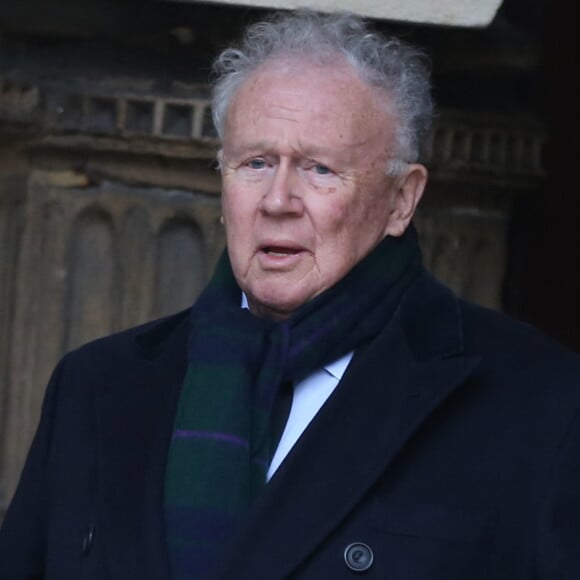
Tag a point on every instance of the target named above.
point(275, 306)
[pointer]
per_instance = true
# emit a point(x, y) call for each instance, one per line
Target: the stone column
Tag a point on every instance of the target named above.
point(83, 261)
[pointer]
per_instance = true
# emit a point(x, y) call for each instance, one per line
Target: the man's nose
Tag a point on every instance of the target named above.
point(283, 195)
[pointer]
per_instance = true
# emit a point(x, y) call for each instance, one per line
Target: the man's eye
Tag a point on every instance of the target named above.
point(256, 164)
point(322, 169)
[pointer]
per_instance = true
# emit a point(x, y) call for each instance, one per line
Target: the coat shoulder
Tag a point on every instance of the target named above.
point(515, 357)
point(522, 364)
point(143, 340)
point(490, 331)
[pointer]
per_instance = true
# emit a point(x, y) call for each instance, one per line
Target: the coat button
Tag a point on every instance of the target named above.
point(358, 557)
point(88, 540)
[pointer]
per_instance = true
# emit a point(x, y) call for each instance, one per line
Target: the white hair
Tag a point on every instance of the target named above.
point(398, 70)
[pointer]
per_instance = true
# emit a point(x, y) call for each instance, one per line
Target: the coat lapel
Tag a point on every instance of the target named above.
point(388, 391)
point(135, 419)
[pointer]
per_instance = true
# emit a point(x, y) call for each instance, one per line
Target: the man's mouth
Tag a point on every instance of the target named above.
point(280, 251)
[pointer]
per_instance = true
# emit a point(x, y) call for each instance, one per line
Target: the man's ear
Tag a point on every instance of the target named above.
point(407, 191)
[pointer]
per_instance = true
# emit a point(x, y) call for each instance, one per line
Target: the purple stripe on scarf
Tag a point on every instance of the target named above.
point(216, 435)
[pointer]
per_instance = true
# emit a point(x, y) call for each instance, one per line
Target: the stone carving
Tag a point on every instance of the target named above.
point(18, 100)
point(86, 262)
point(459, 142)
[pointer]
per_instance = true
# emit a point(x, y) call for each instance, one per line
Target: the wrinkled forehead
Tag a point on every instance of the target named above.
point(329, 95)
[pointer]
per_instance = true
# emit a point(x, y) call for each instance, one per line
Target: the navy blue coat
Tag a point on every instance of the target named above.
point(451, 449)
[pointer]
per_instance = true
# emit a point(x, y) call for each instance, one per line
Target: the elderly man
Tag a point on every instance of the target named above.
point(326, 408)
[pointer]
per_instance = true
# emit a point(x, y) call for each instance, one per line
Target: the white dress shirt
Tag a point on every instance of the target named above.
point(309, 396)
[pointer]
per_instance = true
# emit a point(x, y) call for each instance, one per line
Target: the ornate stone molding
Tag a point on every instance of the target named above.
point(487, 145)
point(466, 144)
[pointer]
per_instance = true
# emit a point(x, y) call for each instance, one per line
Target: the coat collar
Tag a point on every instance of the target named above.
point(390, 388)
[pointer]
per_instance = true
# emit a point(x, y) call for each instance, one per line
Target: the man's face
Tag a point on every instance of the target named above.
point(305, 194)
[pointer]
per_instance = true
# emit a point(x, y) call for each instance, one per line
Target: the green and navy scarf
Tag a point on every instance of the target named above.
point(220, 450)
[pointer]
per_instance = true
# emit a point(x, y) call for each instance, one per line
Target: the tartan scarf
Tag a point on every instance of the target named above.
point(220, 449)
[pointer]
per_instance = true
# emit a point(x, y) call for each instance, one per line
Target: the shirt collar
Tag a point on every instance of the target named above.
point(336, 368)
